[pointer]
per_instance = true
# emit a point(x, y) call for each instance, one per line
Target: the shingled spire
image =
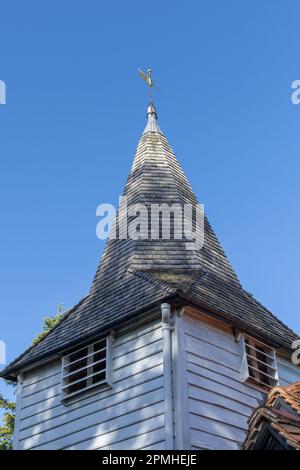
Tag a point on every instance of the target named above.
point(157, 178)
point(135, 275)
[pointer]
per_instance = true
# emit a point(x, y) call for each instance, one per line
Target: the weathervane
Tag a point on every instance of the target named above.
point(148, 79)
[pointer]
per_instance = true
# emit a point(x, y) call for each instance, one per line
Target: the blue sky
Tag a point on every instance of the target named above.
point(75, 111)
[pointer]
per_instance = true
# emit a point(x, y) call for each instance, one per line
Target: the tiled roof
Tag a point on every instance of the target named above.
point(290, 394)
point(135, 275)
point(283, 422)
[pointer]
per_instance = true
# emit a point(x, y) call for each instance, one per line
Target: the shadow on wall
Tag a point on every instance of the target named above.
point(130, 415)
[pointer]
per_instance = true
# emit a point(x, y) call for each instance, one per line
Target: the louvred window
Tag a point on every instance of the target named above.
point(258, 363)
point(86, 368)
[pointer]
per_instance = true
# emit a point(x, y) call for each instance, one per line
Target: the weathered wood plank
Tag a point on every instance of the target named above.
point(121, 413)
point(218, 413)
point(42, 373)
point(203, 440)
point(153, 440)
point(217, 428)
point(135, 333)
point(98, 404)
point(244, 389)
point(138, 342)
point(217, 398)
point(41, 396)
point(138, 422)
point(53, 407)
point(215, 366)
point(132, 357)
point(45, 384)
point(287, 371)
point(211, 336)
point(212, 352)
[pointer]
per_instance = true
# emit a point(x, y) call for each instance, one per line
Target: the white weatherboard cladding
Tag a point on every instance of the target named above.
point(211, 403)
point(287, 371)
point(128, 416)
point(218, 402)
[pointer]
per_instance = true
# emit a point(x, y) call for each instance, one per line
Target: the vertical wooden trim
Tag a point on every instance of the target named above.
point(181, 411)
point(109, 358)
point(63, 363)
point(90, 360)
point(18, 411)
point(276, 375)
point(244, 361)
point(167, 365)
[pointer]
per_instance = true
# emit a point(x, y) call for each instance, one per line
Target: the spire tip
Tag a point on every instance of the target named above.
point(151, 110)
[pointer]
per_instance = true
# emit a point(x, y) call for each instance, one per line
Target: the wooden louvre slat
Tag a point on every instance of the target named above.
point(83, 378)
point(85, 374)
point(259, 351)
point(83, 368)
point(88, 387)
point(261, 372)
point(261, 363)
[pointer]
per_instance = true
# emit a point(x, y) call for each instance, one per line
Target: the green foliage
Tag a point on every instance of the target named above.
point(50, 322)
point(9, 408)
point(8, 421)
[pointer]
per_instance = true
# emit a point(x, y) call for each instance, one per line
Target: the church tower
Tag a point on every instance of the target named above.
point(167, 351)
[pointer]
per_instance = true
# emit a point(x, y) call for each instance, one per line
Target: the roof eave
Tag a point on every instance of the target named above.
point(11, 372)
point(235, 322)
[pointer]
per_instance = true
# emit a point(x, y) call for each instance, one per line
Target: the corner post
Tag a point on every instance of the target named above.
point(19, 393)
point(167, 365)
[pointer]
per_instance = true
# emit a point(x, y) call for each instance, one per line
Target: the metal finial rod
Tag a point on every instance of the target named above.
point(150, 84)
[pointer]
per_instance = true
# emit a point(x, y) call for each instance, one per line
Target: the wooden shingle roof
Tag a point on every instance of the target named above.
point(136, 275)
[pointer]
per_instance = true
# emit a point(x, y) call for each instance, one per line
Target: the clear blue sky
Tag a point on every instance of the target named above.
point(75, 111)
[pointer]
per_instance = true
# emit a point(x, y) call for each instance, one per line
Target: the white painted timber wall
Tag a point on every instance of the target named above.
point(130, 415)
point(287, 371)
point(218, 403)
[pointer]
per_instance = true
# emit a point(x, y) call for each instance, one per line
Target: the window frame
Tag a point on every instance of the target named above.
point(89, 387)
point(253, 373)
